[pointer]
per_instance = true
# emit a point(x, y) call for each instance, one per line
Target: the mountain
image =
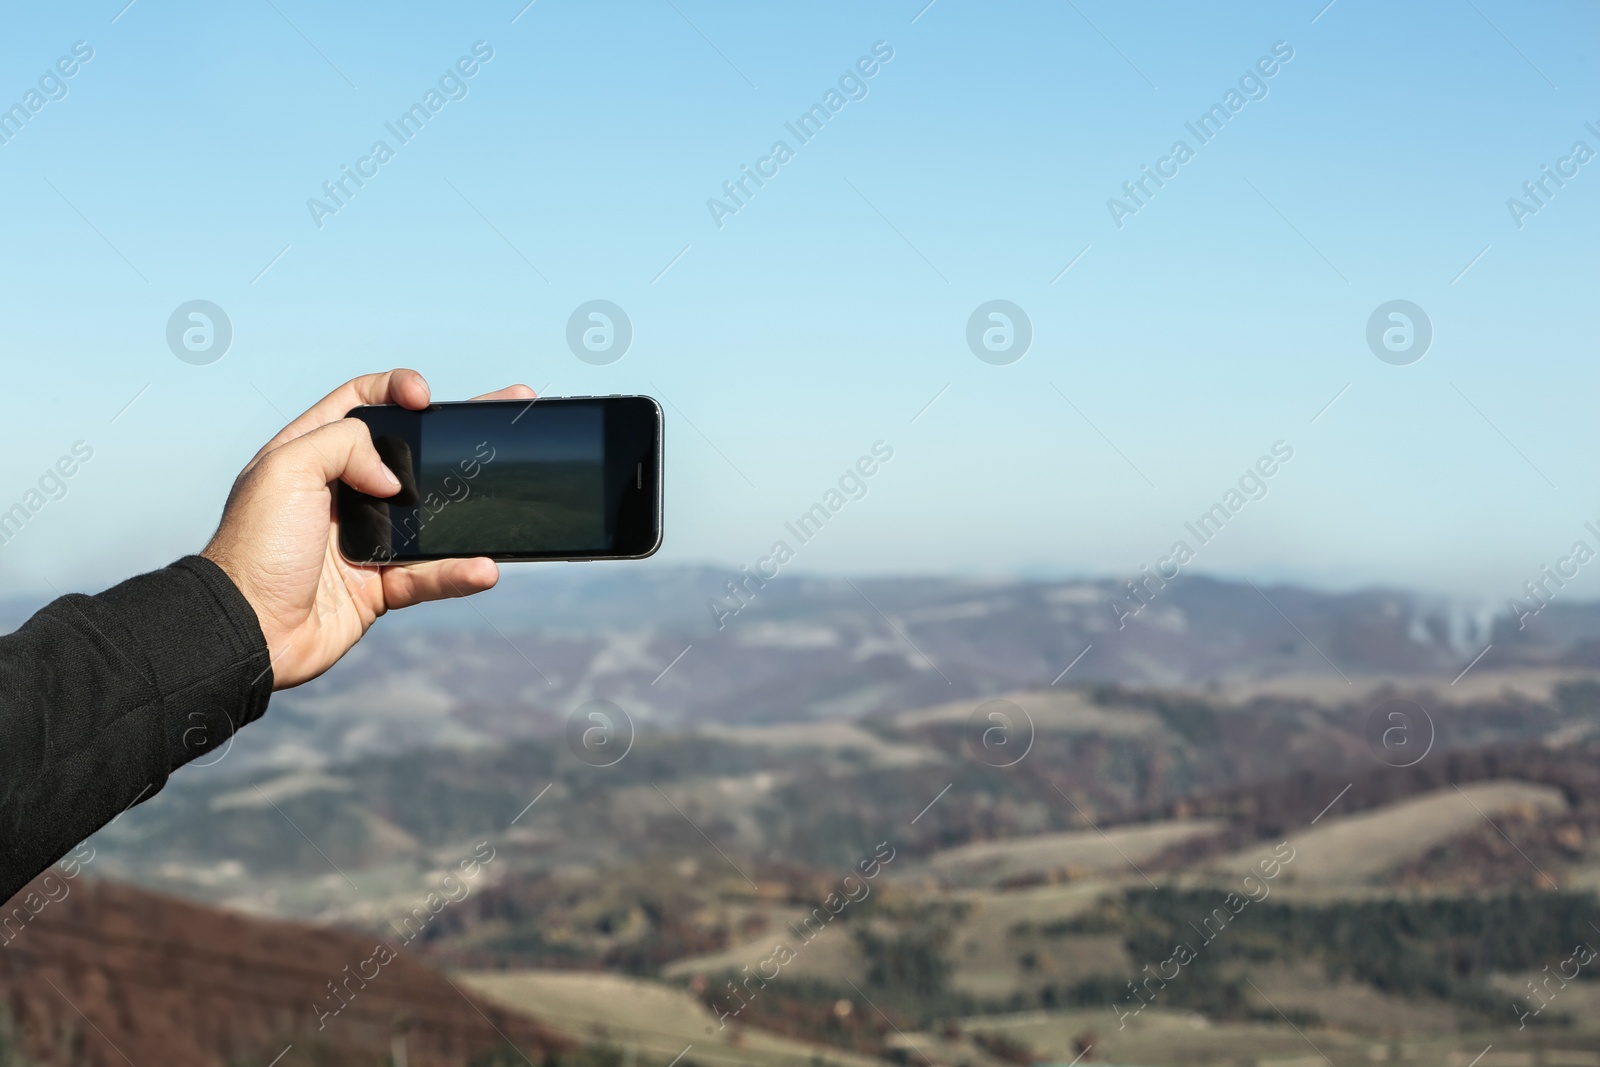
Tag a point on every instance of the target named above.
point(1053, 833)
point(522, 659)
point(1003, 900)
point(299, 842)
point(101, 975)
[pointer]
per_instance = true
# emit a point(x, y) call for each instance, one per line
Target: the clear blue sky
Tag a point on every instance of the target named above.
point(833, 306)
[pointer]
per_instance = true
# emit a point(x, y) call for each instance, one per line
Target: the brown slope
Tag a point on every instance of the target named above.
point(1271, 810)
point(110, 975)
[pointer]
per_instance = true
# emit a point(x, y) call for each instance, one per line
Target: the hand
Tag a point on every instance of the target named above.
point(279, 536)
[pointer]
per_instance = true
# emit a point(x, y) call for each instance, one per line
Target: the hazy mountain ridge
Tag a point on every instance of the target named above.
point(517, 663)
point(264, 840)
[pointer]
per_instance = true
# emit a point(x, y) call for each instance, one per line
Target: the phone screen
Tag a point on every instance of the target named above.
point(544, 479)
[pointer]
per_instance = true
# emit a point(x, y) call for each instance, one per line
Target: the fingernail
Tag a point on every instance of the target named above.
point(388, 475)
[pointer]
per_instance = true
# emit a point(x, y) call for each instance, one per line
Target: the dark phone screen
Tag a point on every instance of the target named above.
point(547, 479)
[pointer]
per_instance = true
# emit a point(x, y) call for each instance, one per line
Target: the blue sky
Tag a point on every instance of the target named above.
point(828, 312)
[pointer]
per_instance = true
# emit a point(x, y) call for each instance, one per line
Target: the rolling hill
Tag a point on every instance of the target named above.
point(517, 662)
point(98, 974)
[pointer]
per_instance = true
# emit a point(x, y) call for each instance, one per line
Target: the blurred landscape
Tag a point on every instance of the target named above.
point(909, 821)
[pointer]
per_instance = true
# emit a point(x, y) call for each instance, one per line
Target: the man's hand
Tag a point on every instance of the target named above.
point(279, 535)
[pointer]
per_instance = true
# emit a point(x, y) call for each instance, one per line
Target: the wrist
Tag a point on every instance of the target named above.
point(246, 590)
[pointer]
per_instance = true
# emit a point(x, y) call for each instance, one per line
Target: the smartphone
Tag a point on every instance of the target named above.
point(560, 478)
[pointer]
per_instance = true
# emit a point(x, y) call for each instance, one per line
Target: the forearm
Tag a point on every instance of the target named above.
point(101, 697)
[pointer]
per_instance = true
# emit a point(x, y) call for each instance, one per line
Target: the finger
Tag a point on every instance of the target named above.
point(510, 392)
point(399, 386)
point(437, 580)
point(339, 451)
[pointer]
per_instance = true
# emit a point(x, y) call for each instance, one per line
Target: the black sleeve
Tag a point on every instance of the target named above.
point(101, 697)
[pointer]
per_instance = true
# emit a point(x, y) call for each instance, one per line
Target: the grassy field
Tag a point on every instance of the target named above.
point(659, 1021)
point(843, 737)
point(1534, 683)
point(1064, 711)
point(991, 947)
point(1181, 1038)
point(1077, 853)
point(519, 506)
point(1355, 849)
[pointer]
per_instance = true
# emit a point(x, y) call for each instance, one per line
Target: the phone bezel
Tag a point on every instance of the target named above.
point(647, 528)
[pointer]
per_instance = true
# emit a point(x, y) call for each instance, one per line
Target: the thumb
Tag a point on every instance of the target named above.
point(340, 451)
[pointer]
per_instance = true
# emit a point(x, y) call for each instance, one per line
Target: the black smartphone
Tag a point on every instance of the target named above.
point(563, 478)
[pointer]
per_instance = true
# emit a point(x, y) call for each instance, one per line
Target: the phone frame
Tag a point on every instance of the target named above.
point(651, 475)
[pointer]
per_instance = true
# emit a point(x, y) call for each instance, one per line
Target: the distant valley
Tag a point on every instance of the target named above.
point(518, 662)
point(1047, 805)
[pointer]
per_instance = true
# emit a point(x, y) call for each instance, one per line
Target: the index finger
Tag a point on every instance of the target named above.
point(401, 386)
point(510, 392)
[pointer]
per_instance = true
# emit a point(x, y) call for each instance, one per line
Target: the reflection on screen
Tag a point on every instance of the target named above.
point(532, 482)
